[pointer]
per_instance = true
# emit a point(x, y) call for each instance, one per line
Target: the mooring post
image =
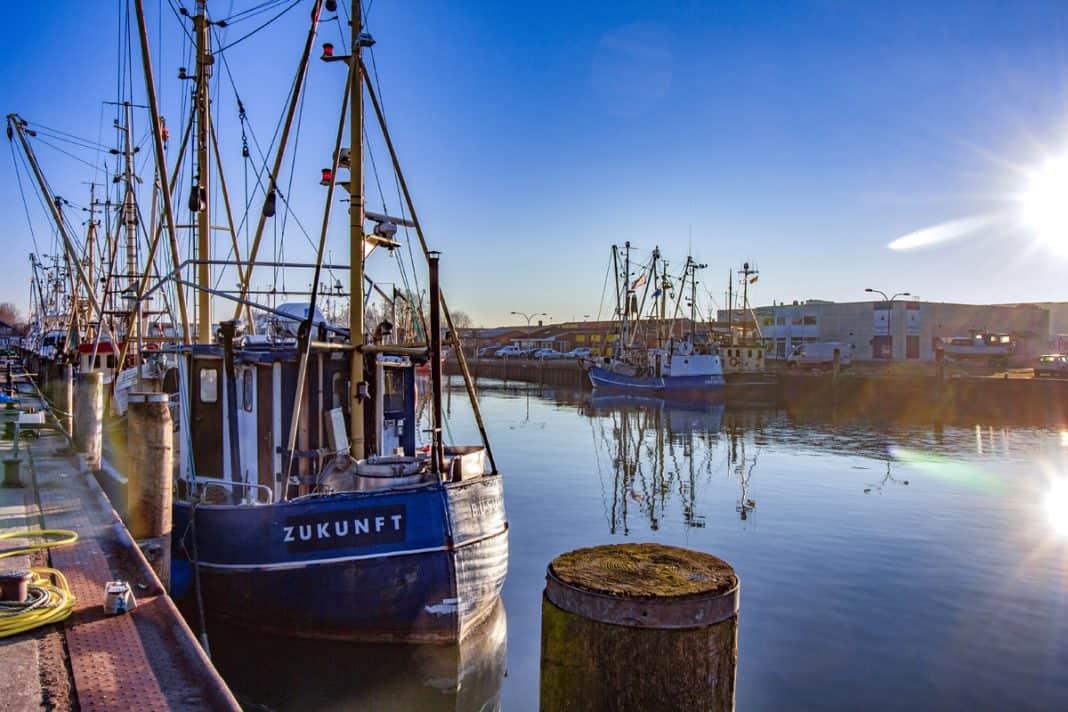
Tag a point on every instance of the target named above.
point(639, 627)
point(65, 402)
point(89, 417)
point(149, 444)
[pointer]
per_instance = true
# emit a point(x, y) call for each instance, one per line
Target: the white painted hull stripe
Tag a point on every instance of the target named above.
point(316, 562)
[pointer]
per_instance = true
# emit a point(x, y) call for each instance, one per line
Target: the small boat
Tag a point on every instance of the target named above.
point(674, 362)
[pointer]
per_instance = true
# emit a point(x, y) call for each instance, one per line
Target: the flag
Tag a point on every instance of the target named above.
point(754, 279)
point(640, 281)
point(657, 293)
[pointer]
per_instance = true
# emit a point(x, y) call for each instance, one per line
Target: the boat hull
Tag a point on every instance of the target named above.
point(605, 379)
point(421, 565)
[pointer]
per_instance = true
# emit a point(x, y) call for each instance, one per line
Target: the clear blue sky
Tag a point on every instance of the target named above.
point(803, 137)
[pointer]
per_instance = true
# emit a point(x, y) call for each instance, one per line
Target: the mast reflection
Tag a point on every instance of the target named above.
point(656, 450)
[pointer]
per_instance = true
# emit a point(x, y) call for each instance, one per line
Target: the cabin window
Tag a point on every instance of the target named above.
point(209, 385)
point(111, 361)
point(96, 362)
point(246, 390)
point(392, 390)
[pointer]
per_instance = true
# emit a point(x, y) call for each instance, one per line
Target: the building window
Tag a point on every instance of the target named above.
point(580, 338)
point(809, 320)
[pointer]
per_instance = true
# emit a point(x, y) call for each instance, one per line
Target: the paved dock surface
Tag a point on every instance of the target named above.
point(147, 659)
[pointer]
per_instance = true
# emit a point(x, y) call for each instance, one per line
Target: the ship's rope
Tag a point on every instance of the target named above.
point(49, 598)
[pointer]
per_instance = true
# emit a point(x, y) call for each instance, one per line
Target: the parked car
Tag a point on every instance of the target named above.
point(510, 351)
point(546, 354)
point(1051, 365)
point(488, 351)
point(820, 353)
point(578, 352)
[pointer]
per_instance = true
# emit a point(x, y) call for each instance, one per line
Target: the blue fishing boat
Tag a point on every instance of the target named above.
point(315, 495)
point(654, 356)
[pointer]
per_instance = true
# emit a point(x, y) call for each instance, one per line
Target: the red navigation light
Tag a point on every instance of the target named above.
point(328, 50)
point(328, 176)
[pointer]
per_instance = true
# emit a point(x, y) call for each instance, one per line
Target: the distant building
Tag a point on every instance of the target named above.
point(9, 335)
point(904, 331)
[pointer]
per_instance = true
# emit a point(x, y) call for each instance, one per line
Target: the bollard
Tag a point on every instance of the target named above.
point(149, 445)
point(89, 417)
point(65, 400)
point(639, 627)
point(11, 472)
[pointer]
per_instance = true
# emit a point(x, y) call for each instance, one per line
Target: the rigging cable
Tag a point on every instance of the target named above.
point(22, 193)
point(246, 36)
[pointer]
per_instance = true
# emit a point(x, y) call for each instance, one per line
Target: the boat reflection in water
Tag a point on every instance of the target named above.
point(274, 673)
point(659, 449)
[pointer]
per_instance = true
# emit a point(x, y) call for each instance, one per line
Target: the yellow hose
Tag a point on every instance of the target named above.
point(50, 598)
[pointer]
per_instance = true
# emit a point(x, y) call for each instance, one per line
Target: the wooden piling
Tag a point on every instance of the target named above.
point(639, 627)
point(149, 445)
point(65, 399)
point(89, 417)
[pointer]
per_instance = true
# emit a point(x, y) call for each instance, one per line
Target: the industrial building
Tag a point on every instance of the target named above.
point(899, 330)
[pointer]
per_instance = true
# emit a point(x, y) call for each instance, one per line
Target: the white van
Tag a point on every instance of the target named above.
point(820, 353)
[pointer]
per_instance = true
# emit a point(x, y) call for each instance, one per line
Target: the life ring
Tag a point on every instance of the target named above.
point(685, 348)
point(734, 362)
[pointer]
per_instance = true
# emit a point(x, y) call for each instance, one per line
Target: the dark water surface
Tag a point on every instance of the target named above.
point(883, 566)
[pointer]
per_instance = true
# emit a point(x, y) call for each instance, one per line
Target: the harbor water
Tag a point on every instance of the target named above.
point(885, 563)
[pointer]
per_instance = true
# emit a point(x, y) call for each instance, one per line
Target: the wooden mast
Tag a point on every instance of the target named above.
point(201, 197)
point(357, 387)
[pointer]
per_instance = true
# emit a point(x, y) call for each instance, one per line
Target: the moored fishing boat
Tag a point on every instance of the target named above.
point(676, 362)
point(306, 502)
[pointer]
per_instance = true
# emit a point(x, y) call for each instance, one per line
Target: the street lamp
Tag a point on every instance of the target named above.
point(889, 313)
point(528, 317)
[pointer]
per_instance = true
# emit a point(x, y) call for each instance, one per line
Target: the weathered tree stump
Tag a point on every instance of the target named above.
point(639, 627)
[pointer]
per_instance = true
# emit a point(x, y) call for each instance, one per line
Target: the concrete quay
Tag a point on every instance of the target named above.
point(144, 659)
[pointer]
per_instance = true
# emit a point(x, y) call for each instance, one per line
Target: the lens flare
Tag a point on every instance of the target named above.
point(1044, 206)
point(943, 232)
point(1056, 504)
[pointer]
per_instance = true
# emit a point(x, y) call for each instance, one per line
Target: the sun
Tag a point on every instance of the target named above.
point(1044, 205)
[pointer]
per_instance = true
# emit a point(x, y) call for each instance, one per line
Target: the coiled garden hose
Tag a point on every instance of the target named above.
point(49, 598)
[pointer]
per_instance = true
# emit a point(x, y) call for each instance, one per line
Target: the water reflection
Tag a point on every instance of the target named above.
point(1057, 506)
point(650, 450)
point(270, 673)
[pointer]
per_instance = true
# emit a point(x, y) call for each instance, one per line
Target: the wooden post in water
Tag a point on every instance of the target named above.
point(639, 627)
point(65, 401)
point(149, 444)
point(89, 417)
